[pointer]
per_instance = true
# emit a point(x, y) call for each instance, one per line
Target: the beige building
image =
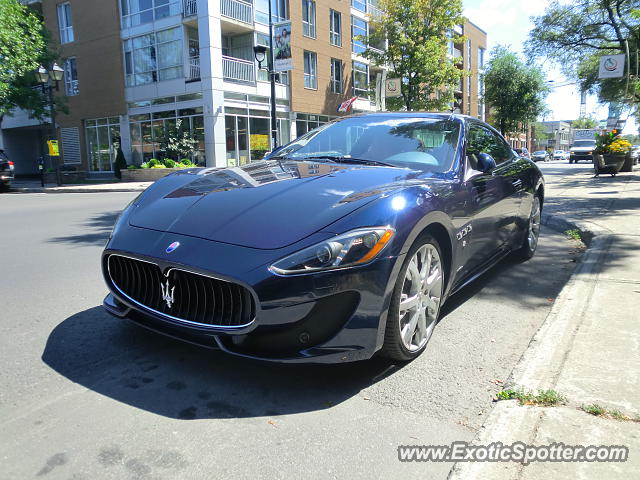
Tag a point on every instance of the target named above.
point(135, 68)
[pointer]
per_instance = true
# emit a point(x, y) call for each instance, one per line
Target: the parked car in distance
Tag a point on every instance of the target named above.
point(635, 154)
point(6, 171)
point(342, 244)
point(582, 150)
point(523, 152)
point(540, 156)
point(560, 155)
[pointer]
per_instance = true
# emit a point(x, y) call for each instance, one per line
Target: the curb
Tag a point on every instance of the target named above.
point(541, 363)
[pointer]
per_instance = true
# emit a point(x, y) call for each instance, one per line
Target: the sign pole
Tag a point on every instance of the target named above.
point(272, 78)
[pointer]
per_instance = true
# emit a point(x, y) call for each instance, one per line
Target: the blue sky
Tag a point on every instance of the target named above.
point(507, 23)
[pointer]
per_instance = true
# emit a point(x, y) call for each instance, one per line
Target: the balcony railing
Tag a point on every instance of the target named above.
point(237, 10)
point(194, 68)
point(189, 8)
point(238, 70)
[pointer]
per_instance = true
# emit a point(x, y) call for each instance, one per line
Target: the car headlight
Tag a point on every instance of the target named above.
point(353, 248)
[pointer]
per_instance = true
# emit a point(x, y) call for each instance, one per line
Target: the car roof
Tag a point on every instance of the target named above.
point(440, 115)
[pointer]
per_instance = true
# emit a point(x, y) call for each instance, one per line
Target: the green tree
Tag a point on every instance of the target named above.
point(417, 34)
point(22, 48)
point(178, 141)
point(515, 91)
point(585, 122)
point(576, 33)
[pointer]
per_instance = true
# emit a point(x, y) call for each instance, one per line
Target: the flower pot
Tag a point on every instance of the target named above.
point(608, 163)
point(627, 166)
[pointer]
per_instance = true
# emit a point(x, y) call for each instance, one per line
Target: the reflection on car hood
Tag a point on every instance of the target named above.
point(266, 204)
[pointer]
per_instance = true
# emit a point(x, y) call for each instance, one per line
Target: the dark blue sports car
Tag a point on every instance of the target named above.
point(344, 243)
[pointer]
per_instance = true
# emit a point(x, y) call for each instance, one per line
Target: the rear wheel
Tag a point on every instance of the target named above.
point(416, 300)
point(530, 242)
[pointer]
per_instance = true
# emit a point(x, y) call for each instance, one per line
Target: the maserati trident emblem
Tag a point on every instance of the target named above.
point(172, 247)
point(167, 293)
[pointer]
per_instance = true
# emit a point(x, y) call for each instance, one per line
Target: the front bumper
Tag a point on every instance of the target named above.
point(329, 317)
point(581, 156)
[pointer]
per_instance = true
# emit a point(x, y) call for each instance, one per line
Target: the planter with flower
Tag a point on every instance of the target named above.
point(611, 152)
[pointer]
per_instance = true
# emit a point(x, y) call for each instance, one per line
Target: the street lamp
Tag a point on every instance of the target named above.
point(260, 52)
point(45, 79)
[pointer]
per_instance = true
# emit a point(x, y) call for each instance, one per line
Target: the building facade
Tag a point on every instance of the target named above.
point(135, 69)
point(558, 135)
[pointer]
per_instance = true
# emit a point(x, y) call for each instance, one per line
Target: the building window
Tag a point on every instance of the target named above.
point(263, 73)
point(360, 5)
point(154, 57)
point(358, 34)
point(309, 18)
point(360, 80)
point(138, 12)
point(248, 135)
point(71, 77)
point(310, 70)
point(65, 22)
point(278, 11)
point(149, 130)
point(103, 139)
point(480, 59)
point(335, 28)
point(336, 75)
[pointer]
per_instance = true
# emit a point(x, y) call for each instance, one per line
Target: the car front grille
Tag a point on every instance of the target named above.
point(182, 295)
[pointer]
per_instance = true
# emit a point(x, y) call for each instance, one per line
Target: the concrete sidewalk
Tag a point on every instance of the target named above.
point(589, 347)
point(34, 186)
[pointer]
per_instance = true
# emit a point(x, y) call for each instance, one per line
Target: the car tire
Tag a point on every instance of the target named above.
point(532, 234)
point(415, 304)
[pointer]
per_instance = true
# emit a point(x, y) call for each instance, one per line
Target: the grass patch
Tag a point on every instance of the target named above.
point(574, 233)
point(600, 411)
point(545, 398)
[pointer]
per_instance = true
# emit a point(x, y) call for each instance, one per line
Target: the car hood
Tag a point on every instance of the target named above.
point(266, 204)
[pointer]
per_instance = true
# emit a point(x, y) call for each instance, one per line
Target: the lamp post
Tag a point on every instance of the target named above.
point(45, 79)
point(260, 52)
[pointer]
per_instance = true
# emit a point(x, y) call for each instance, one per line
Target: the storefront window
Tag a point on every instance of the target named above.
point(248, 136)
point(147, 134)
point(103, 137)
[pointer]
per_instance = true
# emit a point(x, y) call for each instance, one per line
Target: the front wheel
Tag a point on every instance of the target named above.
point(530, 242)
point(416, 300)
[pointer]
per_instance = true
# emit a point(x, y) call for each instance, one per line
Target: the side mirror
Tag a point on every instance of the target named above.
point(486, 162)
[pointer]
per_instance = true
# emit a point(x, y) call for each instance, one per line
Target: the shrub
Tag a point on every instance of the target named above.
point(159, 166)
point(133, 167)
point(119, 164)
point(145, 165)
point(186, 163)
point(170, 163)
point(153, 162)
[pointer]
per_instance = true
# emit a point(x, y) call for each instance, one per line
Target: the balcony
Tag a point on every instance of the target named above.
point(238, 70)
point(237, 10)
point(189, 8)
point(193, 72)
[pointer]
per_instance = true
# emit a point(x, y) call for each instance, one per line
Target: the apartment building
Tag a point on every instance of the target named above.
point(469, 55)
point(134, 68)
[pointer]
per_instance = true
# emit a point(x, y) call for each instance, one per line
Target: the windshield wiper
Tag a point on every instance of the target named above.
point(345, 159)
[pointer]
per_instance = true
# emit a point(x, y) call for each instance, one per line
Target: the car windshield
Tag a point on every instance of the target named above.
point(559, 151)
point(539, 152)
point(585, 143)
point(420, 143)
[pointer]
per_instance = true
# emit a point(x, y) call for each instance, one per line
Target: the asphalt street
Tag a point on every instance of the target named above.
point(87, 396)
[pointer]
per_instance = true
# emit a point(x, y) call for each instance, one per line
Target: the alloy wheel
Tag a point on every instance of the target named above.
point(420, 297)
point(534, 224)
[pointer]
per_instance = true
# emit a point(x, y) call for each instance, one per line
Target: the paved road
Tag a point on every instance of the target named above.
point(86, 396)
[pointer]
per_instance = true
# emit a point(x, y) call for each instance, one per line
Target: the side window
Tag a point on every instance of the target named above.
point(483, 140)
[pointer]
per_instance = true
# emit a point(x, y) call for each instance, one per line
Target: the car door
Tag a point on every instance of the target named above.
point(494, 197)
